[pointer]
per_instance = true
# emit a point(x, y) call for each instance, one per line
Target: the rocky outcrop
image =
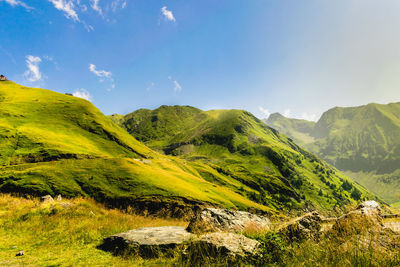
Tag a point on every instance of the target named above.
point(228, 245)
point(147, 242)
point(3, 78)
point(307, 226)
point(223, 220)
point(47, 199)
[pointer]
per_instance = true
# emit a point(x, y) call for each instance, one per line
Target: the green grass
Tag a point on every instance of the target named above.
point(58, 144)
point(51, 235)
point(256, 160)
point(364, 141)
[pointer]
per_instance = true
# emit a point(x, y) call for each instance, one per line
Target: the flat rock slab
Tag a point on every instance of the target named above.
point(147, 242)
point(224, 220)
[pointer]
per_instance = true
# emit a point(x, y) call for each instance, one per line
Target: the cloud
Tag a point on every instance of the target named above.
point(286, 113)
point(123, 5)
point(67, 7)
point(177, 86)
point(309, 117)
point(82, 93)
point(17, 3)
point(99, 73)
point(33, 74)
point(96, 7)
point(265, 112)
point(167, 14)
point(150, 86)
point(103, 75)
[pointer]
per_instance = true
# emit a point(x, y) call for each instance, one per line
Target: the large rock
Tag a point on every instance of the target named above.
point(224, 245)
point(215, 220)
point(47, 199)
point(147, 242)
point(307, 226)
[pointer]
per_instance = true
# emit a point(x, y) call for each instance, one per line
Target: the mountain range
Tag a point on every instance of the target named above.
point(53, 143)
point(363, 141)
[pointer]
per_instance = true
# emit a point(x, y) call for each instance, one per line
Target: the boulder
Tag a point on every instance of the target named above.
point(147, 242)
point(307, 226)
point(59, 198)
point(46, 199)
point(225, 245)
point(370, 207)
point(223, 220)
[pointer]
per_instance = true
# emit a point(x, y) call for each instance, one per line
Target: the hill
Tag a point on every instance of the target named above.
point(363, 141)
point(248, 153)
point(53, 143)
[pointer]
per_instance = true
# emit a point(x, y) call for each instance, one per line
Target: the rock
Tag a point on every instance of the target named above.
point(229, 245)
point(46, 199)
point(214, 220)
point(307, 226)
point(20, 253)
point(369, 207)
point(59, 198)
point(147, 242)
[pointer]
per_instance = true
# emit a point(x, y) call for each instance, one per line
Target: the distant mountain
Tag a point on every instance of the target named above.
point(246, 151)
point(364, 141)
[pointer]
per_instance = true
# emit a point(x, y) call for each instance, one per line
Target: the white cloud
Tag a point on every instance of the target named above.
point(99, 73)
point(82, 93)
point(167, 14)
point(103, 75)
point(265, 112)
point(309, 117)
point(96, 7)
point(286, 113)
point(150, 86)
point(67, 7)
point(17, 3)
point(177, 86)
point(123, 5)
point(33, 74)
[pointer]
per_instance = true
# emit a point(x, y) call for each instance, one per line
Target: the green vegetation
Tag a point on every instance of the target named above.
point(249, 157)
point(363, 141)
point(67, 233)
point(58, 144)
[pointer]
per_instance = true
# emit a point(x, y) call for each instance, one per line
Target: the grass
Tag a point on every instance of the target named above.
point(57, 236)
point(52, 143)
point(251, 158)
point(363, 141)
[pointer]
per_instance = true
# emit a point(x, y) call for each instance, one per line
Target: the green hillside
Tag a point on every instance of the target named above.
point(59, 144)
point(249, 155)
point(363, 141)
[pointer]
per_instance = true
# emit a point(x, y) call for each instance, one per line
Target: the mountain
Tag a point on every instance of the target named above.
point(51, 143)
point(246, 151)
point(364, 141)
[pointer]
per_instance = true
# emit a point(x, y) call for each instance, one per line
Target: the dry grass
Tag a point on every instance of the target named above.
point(59, 234)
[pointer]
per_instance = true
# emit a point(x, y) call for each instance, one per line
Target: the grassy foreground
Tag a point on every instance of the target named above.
point(57, 236)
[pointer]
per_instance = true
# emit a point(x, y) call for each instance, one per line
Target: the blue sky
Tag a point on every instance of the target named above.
point(295, 57)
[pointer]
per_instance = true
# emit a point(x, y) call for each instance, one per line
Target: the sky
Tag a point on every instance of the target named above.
point(298, 58)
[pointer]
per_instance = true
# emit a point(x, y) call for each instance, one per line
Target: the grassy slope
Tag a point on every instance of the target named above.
point(248, 153)
point(53, 143)
point(57, 236)
point(364, 141)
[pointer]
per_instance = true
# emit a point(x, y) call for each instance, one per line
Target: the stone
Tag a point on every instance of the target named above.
point(307, 226)
point(148, 242)
point(228, 245)
point(46, 199)
point(3, 78)
point(59, 198)
point(369, 207)
point(223, 220)
point(20, 253)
